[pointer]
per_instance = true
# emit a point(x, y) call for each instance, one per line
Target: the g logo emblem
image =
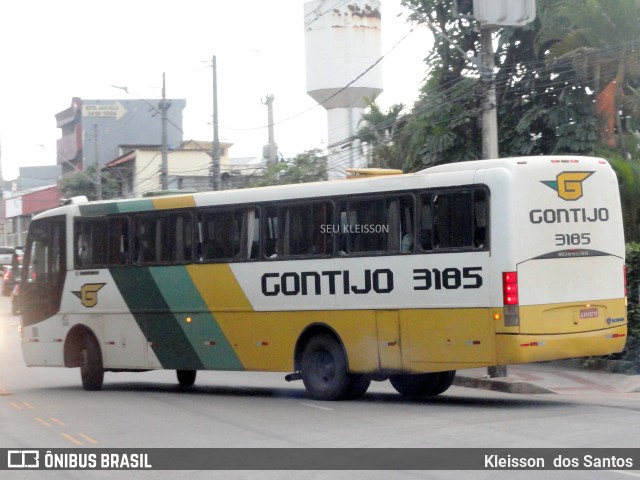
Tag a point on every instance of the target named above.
point(88, 294)
point(568, 184)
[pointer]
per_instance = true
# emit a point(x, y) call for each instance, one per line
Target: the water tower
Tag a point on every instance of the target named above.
point(342, 45)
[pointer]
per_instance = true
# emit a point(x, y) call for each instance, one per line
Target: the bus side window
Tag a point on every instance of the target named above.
point(272, 242)
point(250, 235)
point(399, 224)
point(297, 230)
point(144, 248)
point(363, 226)
point(426, 223)
point(453, 213)
point(118, 232)
point(406, 225)
point(91, 242)
point(179, 238)
point(453, 219)
point(480, 219)
point(220, 235)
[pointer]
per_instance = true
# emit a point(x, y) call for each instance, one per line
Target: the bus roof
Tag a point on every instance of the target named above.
point(462, 173)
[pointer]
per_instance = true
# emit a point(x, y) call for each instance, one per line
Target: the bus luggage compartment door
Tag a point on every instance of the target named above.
point(389, 353)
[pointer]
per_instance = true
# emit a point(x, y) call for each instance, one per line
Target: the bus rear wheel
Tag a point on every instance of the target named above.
point(186, 378)
point(424, 384)
point(91, 370)
point(324, 371)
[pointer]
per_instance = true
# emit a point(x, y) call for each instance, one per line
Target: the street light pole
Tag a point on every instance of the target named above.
point(98, 177)
point(489, 110)
point(163, 106)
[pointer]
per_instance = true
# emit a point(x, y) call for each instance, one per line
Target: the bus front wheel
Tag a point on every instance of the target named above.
point(91, 370)
point(324, 371)
point(186, 378)
point(422, 385)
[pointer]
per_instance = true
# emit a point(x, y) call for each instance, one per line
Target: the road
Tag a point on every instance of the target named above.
point(47, 408)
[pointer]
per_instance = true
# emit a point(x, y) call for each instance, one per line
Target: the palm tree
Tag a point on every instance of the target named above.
point(379, 131)
point(598, 40)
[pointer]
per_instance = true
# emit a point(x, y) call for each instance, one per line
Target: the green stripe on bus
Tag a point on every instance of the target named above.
point(193, 315)
point(144, 204)
point(152, 313)
point(98, 208)
point(116, 207)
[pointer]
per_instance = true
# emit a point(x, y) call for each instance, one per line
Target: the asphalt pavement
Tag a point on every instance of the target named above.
point(549, 378)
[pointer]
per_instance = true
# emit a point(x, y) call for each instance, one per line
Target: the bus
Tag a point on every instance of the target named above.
point(402, 277)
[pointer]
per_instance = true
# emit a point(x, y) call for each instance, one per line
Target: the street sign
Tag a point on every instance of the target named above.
point(498, 13)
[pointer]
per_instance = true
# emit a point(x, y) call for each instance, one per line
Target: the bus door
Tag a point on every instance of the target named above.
point(388, 326)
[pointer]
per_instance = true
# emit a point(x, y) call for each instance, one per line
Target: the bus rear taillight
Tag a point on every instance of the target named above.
point(510, 299)
point(510, 288)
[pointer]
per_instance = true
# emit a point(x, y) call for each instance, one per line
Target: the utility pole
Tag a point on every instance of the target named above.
point(489, 110)
point(215, 146)
point(98, 178)
point(2, 211)
point(163, 106)
point(273, 148)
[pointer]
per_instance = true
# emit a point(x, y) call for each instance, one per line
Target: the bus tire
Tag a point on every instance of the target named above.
point(423, 385)
point(186, 378)
point(91, 370)
point(324, 369)
point(358, 387)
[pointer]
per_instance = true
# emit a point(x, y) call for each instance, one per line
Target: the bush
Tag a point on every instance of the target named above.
point(631, 351)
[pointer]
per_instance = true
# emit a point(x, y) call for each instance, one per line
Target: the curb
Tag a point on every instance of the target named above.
point(499, 385)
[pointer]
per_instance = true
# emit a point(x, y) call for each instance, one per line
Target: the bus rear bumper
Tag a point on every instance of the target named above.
point(515, 348)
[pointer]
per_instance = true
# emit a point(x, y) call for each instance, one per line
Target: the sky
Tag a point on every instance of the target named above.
point(52, 51)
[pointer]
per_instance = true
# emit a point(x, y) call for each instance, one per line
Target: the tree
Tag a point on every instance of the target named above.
point(310, 166)
point(443, 125)
point(598, 40)
point(541, 109)
point(83, 183)
point(379, 131)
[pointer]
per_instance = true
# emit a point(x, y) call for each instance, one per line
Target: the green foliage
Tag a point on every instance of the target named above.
point(310, 166)
point(84, 183)
point(443, 127)
point(632, 347)
point(548, 75)
point(379, 131)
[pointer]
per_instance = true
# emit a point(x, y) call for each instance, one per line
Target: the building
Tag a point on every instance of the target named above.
point(35, 177)
point(343, 45)
point(137, 170)
point(20, 208)
point(94, 130)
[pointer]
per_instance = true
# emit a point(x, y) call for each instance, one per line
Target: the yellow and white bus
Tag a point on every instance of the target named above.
point(404, 277)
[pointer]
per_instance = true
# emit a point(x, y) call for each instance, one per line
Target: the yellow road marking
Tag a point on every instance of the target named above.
point(43, 422)
point(71, 439)
point(28, 405)
point(57, 422)
point(16, 406)
point(87, 438)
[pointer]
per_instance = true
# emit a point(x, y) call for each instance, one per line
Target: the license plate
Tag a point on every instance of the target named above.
point(589, 313)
